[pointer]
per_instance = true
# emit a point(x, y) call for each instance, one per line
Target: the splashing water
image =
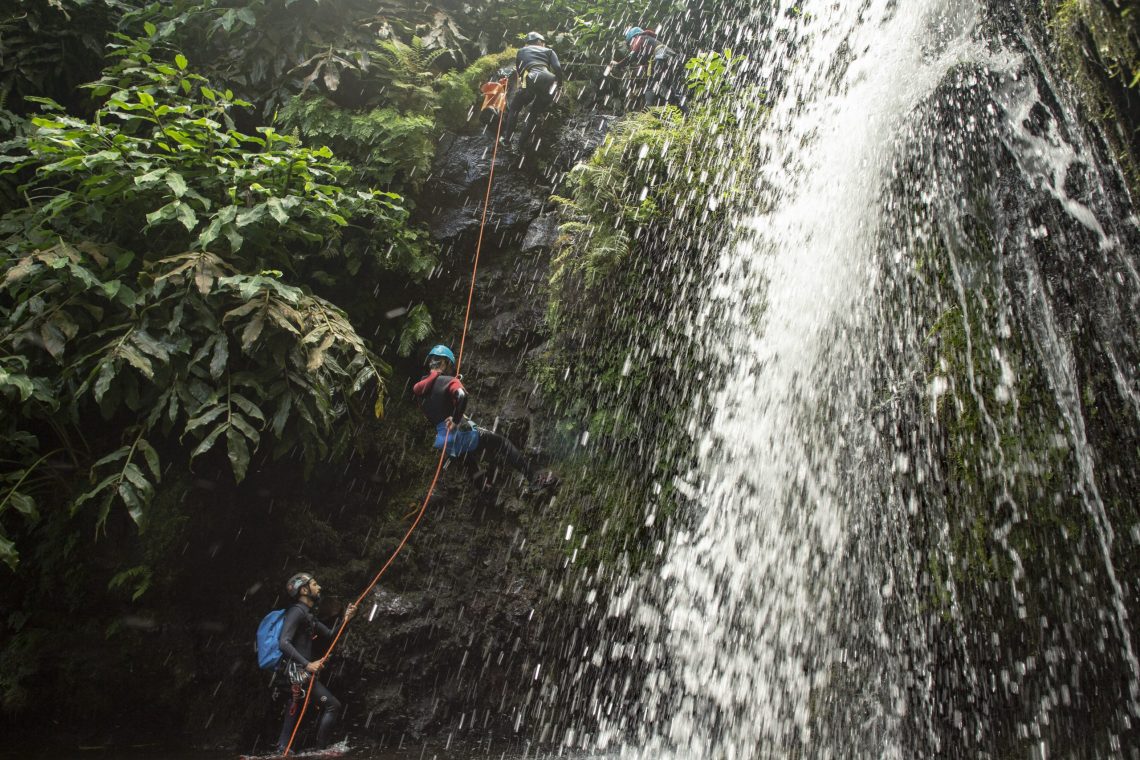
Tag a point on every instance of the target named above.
point(904, 416)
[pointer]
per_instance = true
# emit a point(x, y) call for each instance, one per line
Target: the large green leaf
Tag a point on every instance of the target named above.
point(208, 442)
point(205, 418)
point(238, 452)
point(8, 554)
point(21, 383)
point(23, 504)
point(132, 499)
point(152, 459)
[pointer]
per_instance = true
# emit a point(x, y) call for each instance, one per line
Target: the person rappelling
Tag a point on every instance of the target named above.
point(299, 627)
point(651, 70)
point(443, 400)
point(539, 75)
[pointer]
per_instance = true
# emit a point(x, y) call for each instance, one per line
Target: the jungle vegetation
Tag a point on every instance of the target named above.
point(212, 260)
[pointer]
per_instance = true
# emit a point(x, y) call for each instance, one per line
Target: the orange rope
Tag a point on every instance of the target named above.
point(479, 243)
point(443, 451)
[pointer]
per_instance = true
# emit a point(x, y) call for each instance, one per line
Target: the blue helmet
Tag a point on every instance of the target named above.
point(442, 351)
point(632, 32)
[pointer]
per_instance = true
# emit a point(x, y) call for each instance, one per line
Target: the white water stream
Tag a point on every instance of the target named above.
point(786, 620)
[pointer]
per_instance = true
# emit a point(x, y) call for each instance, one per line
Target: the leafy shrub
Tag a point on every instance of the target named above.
point(47, 48)
point(642, 174)
point(407, 71)
point(146, 284)
point(269, 50)
point(639, 218)
point(389, 148)
point(713, 75)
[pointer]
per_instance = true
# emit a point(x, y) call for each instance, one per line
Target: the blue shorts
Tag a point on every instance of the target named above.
point(459, 442)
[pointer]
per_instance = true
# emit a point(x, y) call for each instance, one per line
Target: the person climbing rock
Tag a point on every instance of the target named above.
point(443, 400)
point(539, 75)
point(652, 70)
point(298, 630)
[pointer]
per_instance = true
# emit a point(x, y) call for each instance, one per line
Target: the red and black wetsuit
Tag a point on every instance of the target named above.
point(442, 398)
point(655, 70)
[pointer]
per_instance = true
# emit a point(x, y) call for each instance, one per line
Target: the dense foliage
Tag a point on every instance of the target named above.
point(210, 257)
point(638, 218)
point(623, 212)
point(150, 288)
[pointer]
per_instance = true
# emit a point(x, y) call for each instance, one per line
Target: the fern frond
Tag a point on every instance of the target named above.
point(417, 327)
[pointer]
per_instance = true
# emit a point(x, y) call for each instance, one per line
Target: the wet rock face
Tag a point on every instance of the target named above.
point(1030, 260)
point(1094, 46)
point(451, 639)
point(459, 184)
point(463, 629)
point(541, 234)
point(449, 642)
point(580, 137)
point(460, 162)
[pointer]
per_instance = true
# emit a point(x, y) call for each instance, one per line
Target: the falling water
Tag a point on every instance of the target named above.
point(901, 540)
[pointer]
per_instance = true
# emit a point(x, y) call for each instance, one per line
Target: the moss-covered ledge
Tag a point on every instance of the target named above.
point(1097, 43)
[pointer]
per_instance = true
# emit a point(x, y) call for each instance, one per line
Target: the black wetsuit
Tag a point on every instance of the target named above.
point(297, 633)
point(539, 74)
point(500, 449)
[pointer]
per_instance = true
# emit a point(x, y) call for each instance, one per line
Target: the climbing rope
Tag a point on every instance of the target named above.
point(479, 243)
point(442, 452)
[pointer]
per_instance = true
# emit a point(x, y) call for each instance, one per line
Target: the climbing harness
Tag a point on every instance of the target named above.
point(297, 678)
point(442, 452)
point(525, 75)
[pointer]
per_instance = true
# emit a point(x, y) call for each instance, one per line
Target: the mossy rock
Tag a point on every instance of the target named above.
point(458, 92)
point(1098, 45)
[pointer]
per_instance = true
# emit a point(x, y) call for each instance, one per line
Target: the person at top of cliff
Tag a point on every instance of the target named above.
point(298, 630)
point(443, 400)
point(652, 69)
point(539, 75)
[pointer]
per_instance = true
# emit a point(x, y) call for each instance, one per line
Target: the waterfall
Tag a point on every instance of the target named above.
point(934, 288)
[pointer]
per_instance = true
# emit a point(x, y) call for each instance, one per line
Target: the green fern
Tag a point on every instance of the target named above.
point(408, 72)
point(135, 580)
point(388, 147)
point(417, 327)
point(457, 90)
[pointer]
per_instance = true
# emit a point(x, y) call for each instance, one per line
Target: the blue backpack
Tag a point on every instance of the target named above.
point(268, 638)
